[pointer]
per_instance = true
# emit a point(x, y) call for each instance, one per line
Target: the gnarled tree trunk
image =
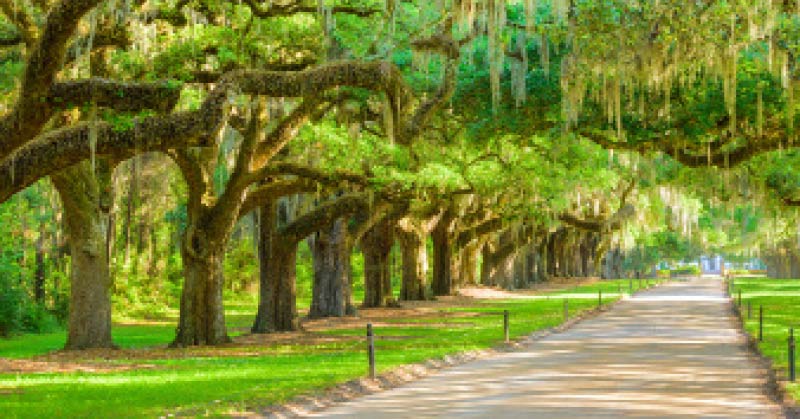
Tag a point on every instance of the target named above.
point(202, 314)
point(415, 266)
point(468, 264)
point(376, 246)
point(331, 294)
point(442, 258)
point(277, 309)
point(86, 213)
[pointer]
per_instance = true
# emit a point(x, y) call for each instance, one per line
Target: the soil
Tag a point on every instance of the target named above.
point(108, 360)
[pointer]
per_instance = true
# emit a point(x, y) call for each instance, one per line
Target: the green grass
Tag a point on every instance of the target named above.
point(778, 297)
point(203, 384)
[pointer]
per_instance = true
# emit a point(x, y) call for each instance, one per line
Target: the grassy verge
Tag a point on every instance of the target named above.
point(778, 297)
point(235, 378)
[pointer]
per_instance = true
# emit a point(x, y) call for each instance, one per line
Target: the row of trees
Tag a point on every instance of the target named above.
point(486, 128)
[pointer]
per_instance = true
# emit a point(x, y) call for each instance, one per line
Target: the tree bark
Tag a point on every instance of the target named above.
point(486, 266)
point(277, 310)
point(442, 257)
point(415, 266)
point(331, 293)
point(86, 222)
point(280, 306)
point(376, 244)
point(202, 313)
point(468, 264)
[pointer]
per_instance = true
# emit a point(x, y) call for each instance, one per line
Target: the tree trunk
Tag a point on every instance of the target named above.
point(277, 310)
point(468, 264)
point(442, 258)
point(39, 277)
point(520, 263)
point(376, 244)
point(331, 294)
point(487, 266)
point(202, 315)
point(415, 266)
point(86, 223)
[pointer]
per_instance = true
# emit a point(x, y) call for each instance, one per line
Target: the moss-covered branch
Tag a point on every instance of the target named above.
point(324, 215)
point(274, 190)
point(33, 110)
point(278, 9)
point(120, 96)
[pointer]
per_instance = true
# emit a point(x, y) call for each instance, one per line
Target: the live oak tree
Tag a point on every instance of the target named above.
point(501, 135)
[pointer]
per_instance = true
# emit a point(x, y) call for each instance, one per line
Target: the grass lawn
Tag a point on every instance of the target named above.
point(238, 377)
point(779, 298)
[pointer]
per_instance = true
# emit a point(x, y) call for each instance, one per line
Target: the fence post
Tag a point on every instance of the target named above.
point(791, 354)
point(566, 309)
point(371, 350)
point(505, 324)
point(749, 310)
point(599, 298)
point(760, 323)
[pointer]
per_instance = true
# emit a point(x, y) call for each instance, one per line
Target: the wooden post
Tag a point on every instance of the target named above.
point(566, 309)
point(599, 298)
point(371, 350)
point(740, 298)
point(760, 323)
point(749, 310)
point(791, 354)
point(505, 325)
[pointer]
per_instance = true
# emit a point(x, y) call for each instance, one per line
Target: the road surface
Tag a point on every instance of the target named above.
point(669, 352)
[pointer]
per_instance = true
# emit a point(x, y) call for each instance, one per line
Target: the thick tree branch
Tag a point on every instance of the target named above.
point(613, 223)
point(33, 110)
point(324, 215)
point(719, 154)
point(294, 7)
point(335, 177)
point(467, 236)
point(284, 132)
point(274, 190)
point(63, 148)
point(120, 96)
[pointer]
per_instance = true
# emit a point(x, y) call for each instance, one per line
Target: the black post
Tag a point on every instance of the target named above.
point(791, 354)
point(599, 298)
point(760, 323)
point(505, 324)
point(566, 309)
point(749, 310)
point(371, 350)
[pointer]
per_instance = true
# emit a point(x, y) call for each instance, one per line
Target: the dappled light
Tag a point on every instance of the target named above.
point(642, 359)
point(516, 207)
